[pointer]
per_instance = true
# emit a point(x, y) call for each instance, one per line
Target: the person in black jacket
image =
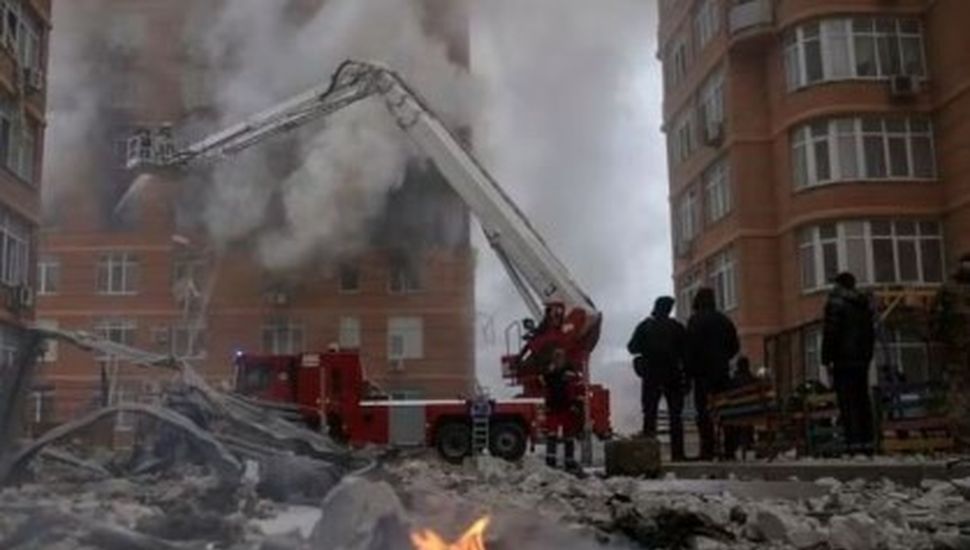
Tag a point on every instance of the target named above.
point(848, 340)
point(712, 341)
point(658, 348)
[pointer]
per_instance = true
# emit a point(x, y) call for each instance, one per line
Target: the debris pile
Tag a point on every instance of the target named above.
point(709, 514)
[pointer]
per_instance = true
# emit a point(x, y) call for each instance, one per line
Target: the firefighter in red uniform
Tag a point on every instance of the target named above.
point(564, 412)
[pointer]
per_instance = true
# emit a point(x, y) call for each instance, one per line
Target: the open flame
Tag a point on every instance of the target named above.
point(472, 539)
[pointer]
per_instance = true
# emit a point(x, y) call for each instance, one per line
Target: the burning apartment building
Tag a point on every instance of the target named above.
point(245, 257)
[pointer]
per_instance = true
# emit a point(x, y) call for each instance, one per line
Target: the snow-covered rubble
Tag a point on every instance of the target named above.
point(532, 506)
point(847, 516)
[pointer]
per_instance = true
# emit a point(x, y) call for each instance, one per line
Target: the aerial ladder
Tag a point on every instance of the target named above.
point(563, 315)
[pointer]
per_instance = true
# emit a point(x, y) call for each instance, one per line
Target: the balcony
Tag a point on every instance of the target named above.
point(751, 17)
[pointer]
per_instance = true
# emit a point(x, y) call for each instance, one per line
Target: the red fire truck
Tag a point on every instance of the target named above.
point(328, 390)
point(330, 387)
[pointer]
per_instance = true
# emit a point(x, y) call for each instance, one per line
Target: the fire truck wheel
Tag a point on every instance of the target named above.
point(507, 440)
point(454, 441)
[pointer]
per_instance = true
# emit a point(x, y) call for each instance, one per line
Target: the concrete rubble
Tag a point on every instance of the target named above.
point(532, 506)
point(685, 514)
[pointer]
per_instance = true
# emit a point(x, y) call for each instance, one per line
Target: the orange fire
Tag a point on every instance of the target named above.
point(473, 539)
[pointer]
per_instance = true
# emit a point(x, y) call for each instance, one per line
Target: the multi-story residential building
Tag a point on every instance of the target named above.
point(145, 273)
point(808, 137)
point(24, 31)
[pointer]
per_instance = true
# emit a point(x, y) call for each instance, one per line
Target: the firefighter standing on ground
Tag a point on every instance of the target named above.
point(712, 341)
point(847, 348)
point(564, 420)
point(658, 348)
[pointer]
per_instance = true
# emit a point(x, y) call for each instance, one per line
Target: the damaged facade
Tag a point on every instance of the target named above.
point(140, 274)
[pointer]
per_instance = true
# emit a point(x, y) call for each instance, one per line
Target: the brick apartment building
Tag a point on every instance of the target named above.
point(24, 32)
point(808, 137)
point(140, 274)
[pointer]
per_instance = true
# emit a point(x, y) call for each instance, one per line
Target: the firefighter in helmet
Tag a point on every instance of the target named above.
point(564, 415)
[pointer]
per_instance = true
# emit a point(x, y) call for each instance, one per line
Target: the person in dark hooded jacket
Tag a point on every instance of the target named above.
point(712, 341)
point(658, 347)
point(848, 340)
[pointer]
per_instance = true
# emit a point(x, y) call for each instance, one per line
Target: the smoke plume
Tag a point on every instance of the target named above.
point(262, 54)
point(573, 97)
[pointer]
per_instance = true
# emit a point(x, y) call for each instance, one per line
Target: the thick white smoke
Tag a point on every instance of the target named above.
point(348, 169)
point(573, 131)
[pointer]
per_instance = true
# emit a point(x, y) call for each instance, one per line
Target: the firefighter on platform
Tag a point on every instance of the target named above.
point(564, 412)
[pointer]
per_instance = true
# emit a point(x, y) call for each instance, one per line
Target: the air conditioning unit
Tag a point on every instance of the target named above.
point(34, 79)
point(714, 134)
point(25, 297)
point(903, 86)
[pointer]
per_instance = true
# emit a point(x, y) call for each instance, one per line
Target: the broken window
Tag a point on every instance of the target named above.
point(117, 273)
point(349, 276)
point(405, 276)
point(50, 344)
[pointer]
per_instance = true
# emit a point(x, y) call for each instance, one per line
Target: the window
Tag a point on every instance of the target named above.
point(18, 141)
point(117, 273)
point(812, 351)
point(48, 276)
point(905, 352)
point(722, 278)
point(688, 216)
point(50, 344)
point(188, 282)
point(42, 406)
point(853, 48)
point(349, 337)
point(404, 276)
point(282, 337)
point(689, 285)
point(684, 140)
point(711, 107)
point(117, 330)
point(189, 340)
point(349, 276)
point(405, 338)
point(875, 251)
point(862, 148)
point(9, 345)
point(717, 191)
point(14, 249)
point(677, 63)
point(707, 22)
